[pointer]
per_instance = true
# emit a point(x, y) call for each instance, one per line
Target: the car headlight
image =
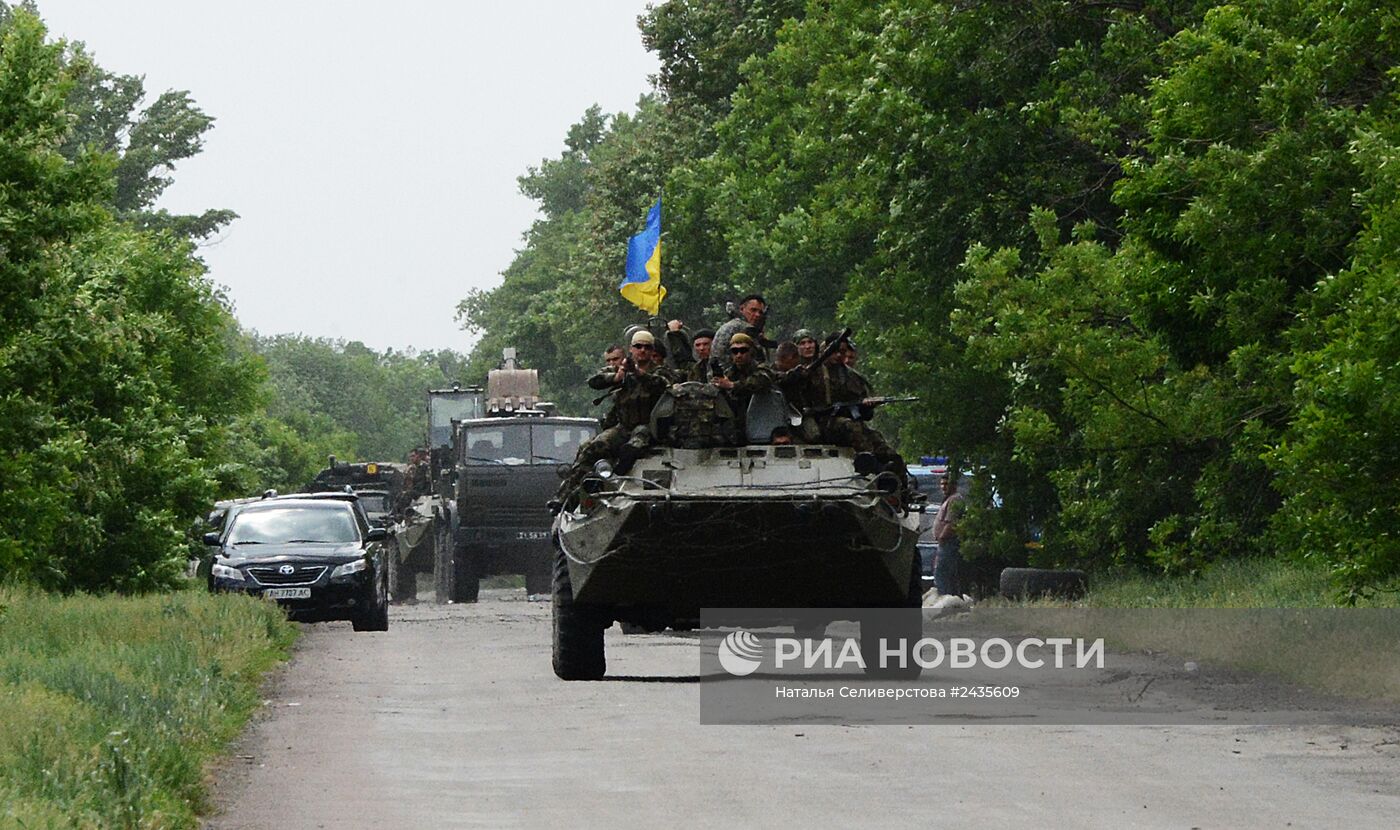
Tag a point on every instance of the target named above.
point(225, 572)
point(603, 469)
point(350, 568)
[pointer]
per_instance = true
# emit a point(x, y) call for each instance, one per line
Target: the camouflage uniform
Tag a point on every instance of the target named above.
point(600, 380)
point(720, 345)
point(682, 359)
point(748, 381)
point(632, 405)
point(832, 383)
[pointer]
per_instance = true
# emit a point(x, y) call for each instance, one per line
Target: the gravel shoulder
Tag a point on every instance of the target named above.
point(453, 718)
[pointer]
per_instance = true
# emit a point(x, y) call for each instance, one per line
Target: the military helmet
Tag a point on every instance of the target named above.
point(803, 334)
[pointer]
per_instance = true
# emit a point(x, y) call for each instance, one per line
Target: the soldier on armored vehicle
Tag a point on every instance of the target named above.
point(712, 517)
point(639, 383)
point(840, 402)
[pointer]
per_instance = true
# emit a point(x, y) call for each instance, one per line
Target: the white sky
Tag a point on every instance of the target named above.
point(370, 149)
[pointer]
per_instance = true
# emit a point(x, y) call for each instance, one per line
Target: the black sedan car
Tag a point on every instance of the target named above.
point(316, 555)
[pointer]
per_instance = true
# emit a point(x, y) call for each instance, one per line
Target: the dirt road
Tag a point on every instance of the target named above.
point(453, 719)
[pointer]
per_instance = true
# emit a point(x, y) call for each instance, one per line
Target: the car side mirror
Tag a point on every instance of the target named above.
point(376, 534)
point(211, 538)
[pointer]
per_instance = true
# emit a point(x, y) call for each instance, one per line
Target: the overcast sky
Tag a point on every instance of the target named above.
point(370, 149)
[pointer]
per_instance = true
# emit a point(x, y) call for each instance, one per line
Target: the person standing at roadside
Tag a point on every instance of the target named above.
point(946, 532)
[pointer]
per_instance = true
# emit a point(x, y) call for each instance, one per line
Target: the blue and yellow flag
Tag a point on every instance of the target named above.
point(642, 285)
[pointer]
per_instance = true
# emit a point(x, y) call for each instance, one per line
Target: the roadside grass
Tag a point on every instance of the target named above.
point(1241, 583)
point(110, 707)
point(1269, 617)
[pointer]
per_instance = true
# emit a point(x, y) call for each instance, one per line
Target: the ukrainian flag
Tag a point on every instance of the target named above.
point(642, 285)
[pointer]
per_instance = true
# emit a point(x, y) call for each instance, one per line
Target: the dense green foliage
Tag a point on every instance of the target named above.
point(110, 708)
point(1138, 257)
point(348, 400)
point(118, 364)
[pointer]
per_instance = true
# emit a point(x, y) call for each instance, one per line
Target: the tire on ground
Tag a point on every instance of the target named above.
point(537, 582)
point(444, 571)
point(466, 585)
point(375, 617)
point(905, 622)
point(578, 631)
point(1029, 583)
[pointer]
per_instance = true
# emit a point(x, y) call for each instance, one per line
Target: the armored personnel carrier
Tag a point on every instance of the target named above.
point(784, 526)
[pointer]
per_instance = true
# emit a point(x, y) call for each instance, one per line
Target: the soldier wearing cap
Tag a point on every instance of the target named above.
point(638, 384)
point(806, 344)
point(746, 376)
point(817, 388)
point(690, 356)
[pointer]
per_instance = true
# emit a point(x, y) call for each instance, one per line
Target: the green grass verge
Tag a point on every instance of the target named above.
point(111, 707)
point(1336, 650)
point(1244, 583)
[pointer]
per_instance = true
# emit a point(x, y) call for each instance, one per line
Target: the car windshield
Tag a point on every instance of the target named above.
point(300, 523)
point(557, 443)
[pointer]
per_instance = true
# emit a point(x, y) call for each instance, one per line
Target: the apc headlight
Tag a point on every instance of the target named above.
point(225, 572)
point(349, 568)
point(603, 469)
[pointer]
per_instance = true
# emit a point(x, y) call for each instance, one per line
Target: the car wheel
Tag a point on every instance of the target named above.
point(578, 631)
point(1028, 583)
point(375, 616)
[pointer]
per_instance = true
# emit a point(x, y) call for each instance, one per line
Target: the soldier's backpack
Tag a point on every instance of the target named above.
point(694, 416)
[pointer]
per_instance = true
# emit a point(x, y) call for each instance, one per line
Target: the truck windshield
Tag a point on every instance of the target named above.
point(494, 445)
point(518, 443)
point(444, 408)
point(558, 443)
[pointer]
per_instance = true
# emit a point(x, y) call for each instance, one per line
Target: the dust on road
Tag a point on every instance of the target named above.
point(453, 718)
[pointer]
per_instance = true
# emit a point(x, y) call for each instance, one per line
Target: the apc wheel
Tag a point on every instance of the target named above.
point(1024, 583)
point(891, 625)
point(578, 632)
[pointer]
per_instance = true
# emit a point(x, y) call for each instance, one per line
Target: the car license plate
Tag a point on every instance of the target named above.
point(532, 534)
point(287, 593)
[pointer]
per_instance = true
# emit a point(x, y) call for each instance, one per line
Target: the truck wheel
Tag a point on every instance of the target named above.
point(407, 582)
point(1025, 583)
point(578, 632)
point(537, 582)
point(444, 572)
point(467, 582)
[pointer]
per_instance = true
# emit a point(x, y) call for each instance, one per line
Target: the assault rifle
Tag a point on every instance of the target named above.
point(862, 410)
point(826, 352)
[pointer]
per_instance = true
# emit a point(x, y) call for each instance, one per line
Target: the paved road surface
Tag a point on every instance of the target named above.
point(453, 719)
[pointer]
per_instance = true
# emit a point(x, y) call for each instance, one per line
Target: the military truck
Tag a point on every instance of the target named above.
point(424, 524)
point(379, 485)
point(506, 468)
point(752, 526)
